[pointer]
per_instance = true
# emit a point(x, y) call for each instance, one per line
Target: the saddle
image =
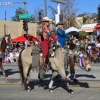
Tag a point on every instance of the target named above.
point(37, 52)
point(35, 56)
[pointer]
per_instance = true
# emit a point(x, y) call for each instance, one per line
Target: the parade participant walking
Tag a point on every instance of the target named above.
point(61, 35)
point(46, 36)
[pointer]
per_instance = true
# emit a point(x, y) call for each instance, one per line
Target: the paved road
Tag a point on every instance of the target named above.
point(87, 87)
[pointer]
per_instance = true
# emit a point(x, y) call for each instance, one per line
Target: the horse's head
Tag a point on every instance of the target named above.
point(8, 39)
point(85, 60)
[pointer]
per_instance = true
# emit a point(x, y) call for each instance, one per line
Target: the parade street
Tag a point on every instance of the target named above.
point(87, 87)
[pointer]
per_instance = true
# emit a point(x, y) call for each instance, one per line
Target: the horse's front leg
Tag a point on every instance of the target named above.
point(27, 79)
point(27, 84)
point(2, 69)
point(54, 74)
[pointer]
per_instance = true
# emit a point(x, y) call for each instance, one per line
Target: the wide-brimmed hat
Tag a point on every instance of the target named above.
point(87, 36)
point(45, 19)
point(59, 23)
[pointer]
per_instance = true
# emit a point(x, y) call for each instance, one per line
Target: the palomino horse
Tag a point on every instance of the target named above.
point(56, 64)
point(6, 40)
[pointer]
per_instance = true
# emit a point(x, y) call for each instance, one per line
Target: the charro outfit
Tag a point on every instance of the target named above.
point(45, 41)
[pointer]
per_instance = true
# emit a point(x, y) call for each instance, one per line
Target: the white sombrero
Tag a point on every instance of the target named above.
point(87, 36)
point(46, 19)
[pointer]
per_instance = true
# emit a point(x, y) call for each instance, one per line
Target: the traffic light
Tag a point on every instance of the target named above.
point(41, 15)
point(25, 25)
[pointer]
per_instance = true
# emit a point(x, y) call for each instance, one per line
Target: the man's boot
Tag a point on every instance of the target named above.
point(41, 68)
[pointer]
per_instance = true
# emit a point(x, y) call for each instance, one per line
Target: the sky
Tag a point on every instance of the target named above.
point(82, 5)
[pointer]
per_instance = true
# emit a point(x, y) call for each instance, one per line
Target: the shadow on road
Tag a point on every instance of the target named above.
point(9, 72)
point(44, 83)
point(85, 75)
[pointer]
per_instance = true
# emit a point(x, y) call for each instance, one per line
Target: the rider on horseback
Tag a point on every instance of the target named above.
point(61, 35)
point(46, 36)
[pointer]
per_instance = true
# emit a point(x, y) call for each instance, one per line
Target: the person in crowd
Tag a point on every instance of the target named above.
point(98, 32)
point(75, 40)
point(98, 50)
point(91, 38)
point(88, 39)
point(84, 36)
point(9, 57)
point(61, 35)
point(14, 57)
point(19, 49)
point(46, 36)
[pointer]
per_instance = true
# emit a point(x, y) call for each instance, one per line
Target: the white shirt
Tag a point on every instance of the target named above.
point(11, 55)
point(17, 54)
point(98, 32)
point(98, 45)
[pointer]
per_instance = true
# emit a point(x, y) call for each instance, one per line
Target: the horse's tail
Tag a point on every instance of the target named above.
point(21, 68)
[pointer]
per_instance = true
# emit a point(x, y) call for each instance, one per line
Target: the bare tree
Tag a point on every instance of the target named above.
point(36, 12)
point(69, 13)
point(53, 11)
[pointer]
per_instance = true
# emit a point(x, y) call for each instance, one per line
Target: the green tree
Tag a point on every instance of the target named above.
point(83, 34)
point(21, 11)
point(98, 16)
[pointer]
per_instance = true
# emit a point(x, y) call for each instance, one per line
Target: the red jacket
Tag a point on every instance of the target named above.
point(46, 37)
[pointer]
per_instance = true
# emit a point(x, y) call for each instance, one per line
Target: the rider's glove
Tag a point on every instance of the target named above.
point(36, 43)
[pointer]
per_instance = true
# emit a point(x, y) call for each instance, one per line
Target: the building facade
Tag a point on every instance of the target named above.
point(15, 29)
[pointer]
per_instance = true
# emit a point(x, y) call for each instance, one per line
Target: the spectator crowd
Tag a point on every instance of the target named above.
point(12, 51)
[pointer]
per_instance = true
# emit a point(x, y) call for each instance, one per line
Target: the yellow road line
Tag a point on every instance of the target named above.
point(95, 87)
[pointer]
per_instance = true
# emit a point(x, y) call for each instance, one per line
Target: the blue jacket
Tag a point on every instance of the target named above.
point(61, 35)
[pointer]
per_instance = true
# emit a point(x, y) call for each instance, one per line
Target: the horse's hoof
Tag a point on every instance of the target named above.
point(28, 90)
point(75, 80)
point(29, 87)
point(50, 90)
point(5, 76)
point(71, 91)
